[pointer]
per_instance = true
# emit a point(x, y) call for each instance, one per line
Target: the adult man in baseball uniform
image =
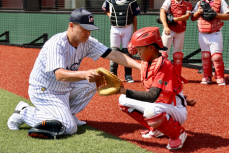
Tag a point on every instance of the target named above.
point(211, 39)
point(123, 18)
point(57, 89)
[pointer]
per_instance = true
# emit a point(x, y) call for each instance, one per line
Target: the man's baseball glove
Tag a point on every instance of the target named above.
point(208, 12)
point(169, 19)
point(108, 84)
point(48, 129)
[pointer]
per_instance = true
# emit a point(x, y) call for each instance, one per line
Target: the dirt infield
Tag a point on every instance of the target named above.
point(207, 125)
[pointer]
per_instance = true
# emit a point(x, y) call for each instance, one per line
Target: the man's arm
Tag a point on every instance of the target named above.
point(72, 76)
point(122, 59)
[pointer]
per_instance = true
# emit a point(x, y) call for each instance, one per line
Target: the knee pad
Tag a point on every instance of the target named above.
point(167, 127)
point(157, 121)
point(135, 114)
point(206, 63)
point(177, 61)
point(219, 65)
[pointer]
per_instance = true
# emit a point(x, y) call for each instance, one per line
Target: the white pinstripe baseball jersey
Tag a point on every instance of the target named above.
point(58, 53)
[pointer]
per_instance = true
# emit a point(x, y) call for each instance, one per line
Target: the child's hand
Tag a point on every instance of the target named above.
point(167, 30)
point(190, 102)
point(200, 10)
point(122, 90)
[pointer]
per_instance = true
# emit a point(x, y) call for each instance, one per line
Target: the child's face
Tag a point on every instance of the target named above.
point(145, 52)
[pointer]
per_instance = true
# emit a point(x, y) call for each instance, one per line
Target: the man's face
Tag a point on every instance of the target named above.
point(79, 33)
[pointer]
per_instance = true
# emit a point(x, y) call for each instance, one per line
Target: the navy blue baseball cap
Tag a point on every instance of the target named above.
point(84, 18)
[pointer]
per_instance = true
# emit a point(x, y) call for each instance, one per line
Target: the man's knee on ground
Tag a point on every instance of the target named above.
point(70, 125)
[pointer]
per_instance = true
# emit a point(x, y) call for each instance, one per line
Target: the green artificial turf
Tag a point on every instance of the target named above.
point(86, 140)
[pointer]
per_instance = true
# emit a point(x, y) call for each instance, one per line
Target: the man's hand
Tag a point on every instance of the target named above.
point(190, 102)
point(91, 75)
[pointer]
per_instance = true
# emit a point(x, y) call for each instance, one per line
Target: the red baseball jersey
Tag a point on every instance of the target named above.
point(161, 74)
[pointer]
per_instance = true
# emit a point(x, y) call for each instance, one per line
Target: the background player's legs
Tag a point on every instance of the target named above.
point(177, 61)
point(128, 71)
point(178, 44)
point(113, 65)
point(207, 67)
point(126, 34)
point(219, 68)
point(115, 42)
point(216, 48)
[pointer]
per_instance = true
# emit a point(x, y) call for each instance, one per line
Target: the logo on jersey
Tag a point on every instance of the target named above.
point(137, 9)
point(91, 18)
point(160, 81)
point(74, 67)
point(43, 89)
point(165, 83)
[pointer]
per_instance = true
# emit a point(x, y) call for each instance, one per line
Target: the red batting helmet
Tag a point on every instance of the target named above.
point(148, 36)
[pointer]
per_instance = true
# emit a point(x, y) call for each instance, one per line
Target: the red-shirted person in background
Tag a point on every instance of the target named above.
point(175, 33)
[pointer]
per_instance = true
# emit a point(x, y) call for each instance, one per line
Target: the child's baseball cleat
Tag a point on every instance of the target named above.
point(16, 119)
point(177, 143)
point(151, 134)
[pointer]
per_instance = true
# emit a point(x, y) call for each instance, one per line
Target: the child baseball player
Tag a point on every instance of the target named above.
point(174, 33)
point(211, 39)
point(122, 14)
point(162, 107)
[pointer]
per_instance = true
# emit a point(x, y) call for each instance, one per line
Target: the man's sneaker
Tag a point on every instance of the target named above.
point(151, 134)
point(177, 143)
point(206, 80)
point(16, 119)
point(129, 79)
point(78, 122)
